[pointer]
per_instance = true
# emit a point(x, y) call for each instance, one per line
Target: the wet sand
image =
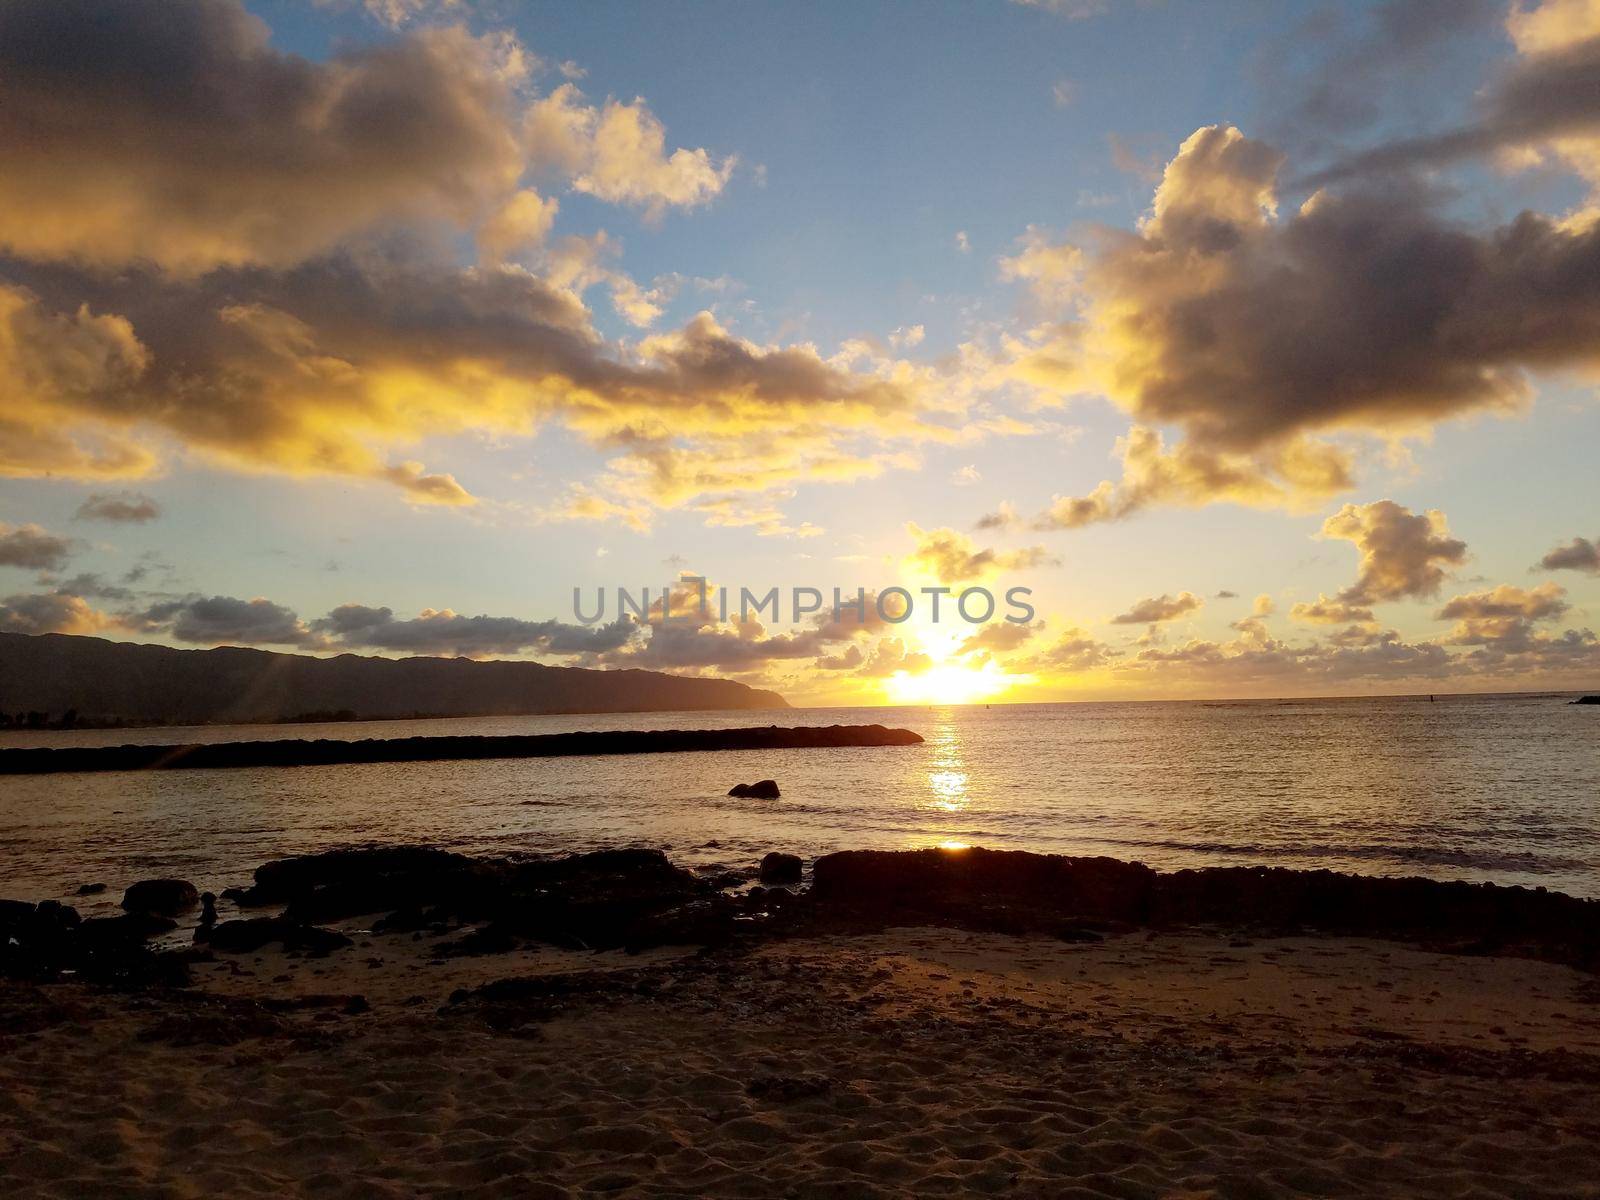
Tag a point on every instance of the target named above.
point(903, 1062)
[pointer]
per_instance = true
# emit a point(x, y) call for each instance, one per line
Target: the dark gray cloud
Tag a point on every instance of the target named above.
point(129, 508)
point(31, 547)
point(1580, 554)
point(176, 133)
point(1159, 608)
point(1550, 93)
point(221, 620)
point(1366, 67)
point(437, 632)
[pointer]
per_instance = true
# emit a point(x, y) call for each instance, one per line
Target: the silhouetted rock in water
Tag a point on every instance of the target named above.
point(781, 868)
point(90, 889)
point(764, 789)
point(1023, 892)
point(290, 753)
point(252, 933)
point(164, 897)
point(1587, 700)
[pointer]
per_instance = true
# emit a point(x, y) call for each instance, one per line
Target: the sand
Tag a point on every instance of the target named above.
point(913, 1062)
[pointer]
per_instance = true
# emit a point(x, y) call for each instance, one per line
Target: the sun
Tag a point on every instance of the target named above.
point(947, 683)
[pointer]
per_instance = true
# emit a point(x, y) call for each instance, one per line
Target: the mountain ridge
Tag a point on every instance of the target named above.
point(103, 681)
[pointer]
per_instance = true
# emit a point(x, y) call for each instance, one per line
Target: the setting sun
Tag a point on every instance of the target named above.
point(948, 683)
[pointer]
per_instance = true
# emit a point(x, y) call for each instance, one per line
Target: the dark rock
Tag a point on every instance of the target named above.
point(49, 941)
point(1014, 891)
point(90, 889)
point(942, 883)
point(164, 897)
point(781, 868)
point(491, 939)
point(1587, 700)
point(252, 933)
point(764, 789)
point(129, 927)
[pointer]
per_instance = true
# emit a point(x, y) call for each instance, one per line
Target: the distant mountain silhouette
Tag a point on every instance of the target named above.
point(45, 678)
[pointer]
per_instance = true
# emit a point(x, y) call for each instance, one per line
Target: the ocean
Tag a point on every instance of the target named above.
point(1498, 788)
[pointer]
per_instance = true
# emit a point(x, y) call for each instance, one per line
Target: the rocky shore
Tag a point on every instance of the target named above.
point(406, 1020)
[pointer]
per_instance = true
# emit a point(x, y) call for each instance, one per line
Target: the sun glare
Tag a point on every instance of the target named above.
point(948, 683)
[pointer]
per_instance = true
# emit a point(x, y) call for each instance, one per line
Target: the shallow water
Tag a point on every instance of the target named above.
point(1485, 788)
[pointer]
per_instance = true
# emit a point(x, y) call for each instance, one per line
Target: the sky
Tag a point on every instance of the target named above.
point(1256, 339)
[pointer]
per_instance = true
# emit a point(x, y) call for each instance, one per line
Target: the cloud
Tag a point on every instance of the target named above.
point(1074, 650)
point(617, 153)
point(1580, 554)
point(1502, 616)
point(1546, 102)
point(444, 632)
point(126, 508)
point(951, 557)
point(1501, 624)
point(1323, 611)
point(220, 620)
point(1063, 92)
point(1263, 606)
point(31, 547)
point(1295, 475)
point(1366, 310)
point(54, 363)
point(177, 134)
point(1403, 554)
point(1160, 608)
point(1226, 595)
point(225, 248)
point(1352, 87)
point(999, 637)
point(51, 612)
point(522, 223)
point(334, 366)
point(1073, 10)
point(1546, 600)
point(396, 13)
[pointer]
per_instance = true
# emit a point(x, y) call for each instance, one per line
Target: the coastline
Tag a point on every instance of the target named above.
point(905, 1025)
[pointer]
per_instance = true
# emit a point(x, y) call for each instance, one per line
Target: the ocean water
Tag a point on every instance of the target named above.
point(1501, 788)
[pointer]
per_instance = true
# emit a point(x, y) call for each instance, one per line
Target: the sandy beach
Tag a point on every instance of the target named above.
point(906, 1061)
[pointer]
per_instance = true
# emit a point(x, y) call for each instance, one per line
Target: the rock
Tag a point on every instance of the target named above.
point(251, 933)
point(90, 889)
point(781, 868)
point(765, 789)
point(1587, 700)
point(164, 897)
point(129, 927)
point(998, 884)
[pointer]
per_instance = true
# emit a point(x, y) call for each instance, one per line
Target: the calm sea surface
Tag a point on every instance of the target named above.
point(1485, 788)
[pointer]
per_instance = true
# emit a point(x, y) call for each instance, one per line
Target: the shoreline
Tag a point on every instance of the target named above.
point(933, 1023)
